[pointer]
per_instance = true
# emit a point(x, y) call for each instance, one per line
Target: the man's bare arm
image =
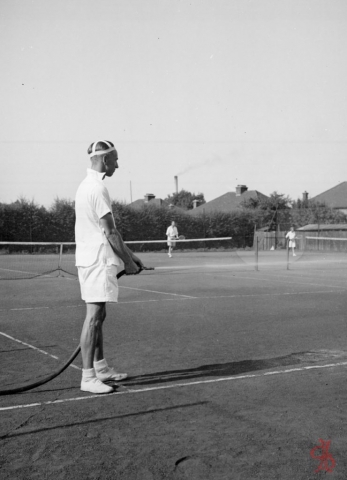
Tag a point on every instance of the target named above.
point(131, 262)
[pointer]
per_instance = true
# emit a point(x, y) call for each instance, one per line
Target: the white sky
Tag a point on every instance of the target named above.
point(218, 92)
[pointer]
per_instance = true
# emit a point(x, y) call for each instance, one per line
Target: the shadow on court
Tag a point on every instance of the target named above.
point(226, 369)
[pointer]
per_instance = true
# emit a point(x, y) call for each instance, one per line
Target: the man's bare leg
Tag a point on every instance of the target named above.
point(99, 346)
point(91, 336)
point(91, 346)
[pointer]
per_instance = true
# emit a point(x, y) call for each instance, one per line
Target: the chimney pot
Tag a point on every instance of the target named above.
point(305, 196)
point(149, 197)
point(240, 189)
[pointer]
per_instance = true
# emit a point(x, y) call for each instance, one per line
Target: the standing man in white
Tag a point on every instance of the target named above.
point(100, 251)
point(291, 235)
point(172, 234)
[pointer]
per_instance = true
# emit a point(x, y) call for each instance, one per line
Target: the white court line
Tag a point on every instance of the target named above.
point(24, 271)
point(178, 385)
point(271, 294)
point(188, 298)
point(280, 281)
point(308, 277)
point(29, 308)
point(314, 271)
point(155, 291)
point(18, 271)
point(35, 348)
point(307, 274)
point(40, 308)
point(46, 275)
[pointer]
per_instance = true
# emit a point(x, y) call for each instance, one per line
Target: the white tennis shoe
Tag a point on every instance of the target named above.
point(94, 385)
point(108, 373)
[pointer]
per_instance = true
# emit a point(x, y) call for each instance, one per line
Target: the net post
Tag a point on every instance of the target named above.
point(60, 258)
point(256, 252)
point(287, 255)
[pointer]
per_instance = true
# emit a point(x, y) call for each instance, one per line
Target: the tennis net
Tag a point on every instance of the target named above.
point(25, 260)
point(21, 260)
point(325, 244)
point(327, 250)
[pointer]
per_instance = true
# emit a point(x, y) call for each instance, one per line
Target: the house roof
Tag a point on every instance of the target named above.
point(141, 202)
point(335, 197)
point(321, 227)
point(227, 202)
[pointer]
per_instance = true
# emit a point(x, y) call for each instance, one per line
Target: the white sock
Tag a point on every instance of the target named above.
point(100, 365)
point(88, 373)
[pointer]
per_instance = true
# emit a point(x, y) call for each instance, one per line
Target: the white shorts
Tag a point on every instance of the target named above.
point(291, 243)
point(171, 243)
point(99, 281)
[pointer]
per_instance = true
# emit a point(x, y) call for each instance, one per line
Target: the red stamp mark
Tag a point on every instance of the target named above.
point(326, 460)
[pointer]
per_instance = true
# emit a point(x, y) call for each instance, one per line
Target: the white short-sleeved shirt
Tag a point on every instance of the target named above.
point(92, 203)
point(171, 232)
point(291, 235)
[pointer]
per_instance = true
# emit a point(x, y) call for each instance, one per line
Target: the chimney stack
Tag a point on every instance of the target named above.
point(240, 189)
point(149, 197)
point(305, 196)
point(176, 183)
point(195, 203)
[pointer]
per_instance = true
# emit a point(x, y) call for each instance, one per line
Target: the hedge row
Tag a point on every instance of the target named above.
point(24, 221)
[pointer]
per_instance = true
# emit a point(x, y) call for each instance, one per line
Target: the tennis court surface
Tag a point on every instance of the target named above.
point(234, 373)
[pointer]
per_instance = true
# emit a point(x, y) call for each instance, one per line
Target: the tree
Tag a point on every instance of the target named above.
point(23, 221)
point(184, 199)
point(62, 220)
point(310, 212)
point(269, 212)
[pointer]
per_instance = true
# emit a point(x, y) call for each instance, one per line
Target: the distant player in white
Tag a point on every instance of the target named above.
point(172, 234)
point(291, 235)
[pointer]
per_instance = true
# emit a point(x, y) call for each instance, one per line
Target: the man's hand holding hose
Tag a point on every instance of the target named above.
point(132, 264)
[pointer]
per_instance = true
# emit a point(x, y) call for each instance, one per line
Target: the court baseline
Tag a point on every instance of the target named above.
point(178, 385)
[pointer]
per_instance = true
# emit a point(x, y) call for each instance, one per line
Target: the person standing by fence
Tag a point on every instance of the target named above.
point(291, 236)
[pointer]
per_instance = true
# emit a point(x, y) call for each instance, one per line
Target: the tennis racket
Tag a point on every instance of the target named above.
point(181, 237)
